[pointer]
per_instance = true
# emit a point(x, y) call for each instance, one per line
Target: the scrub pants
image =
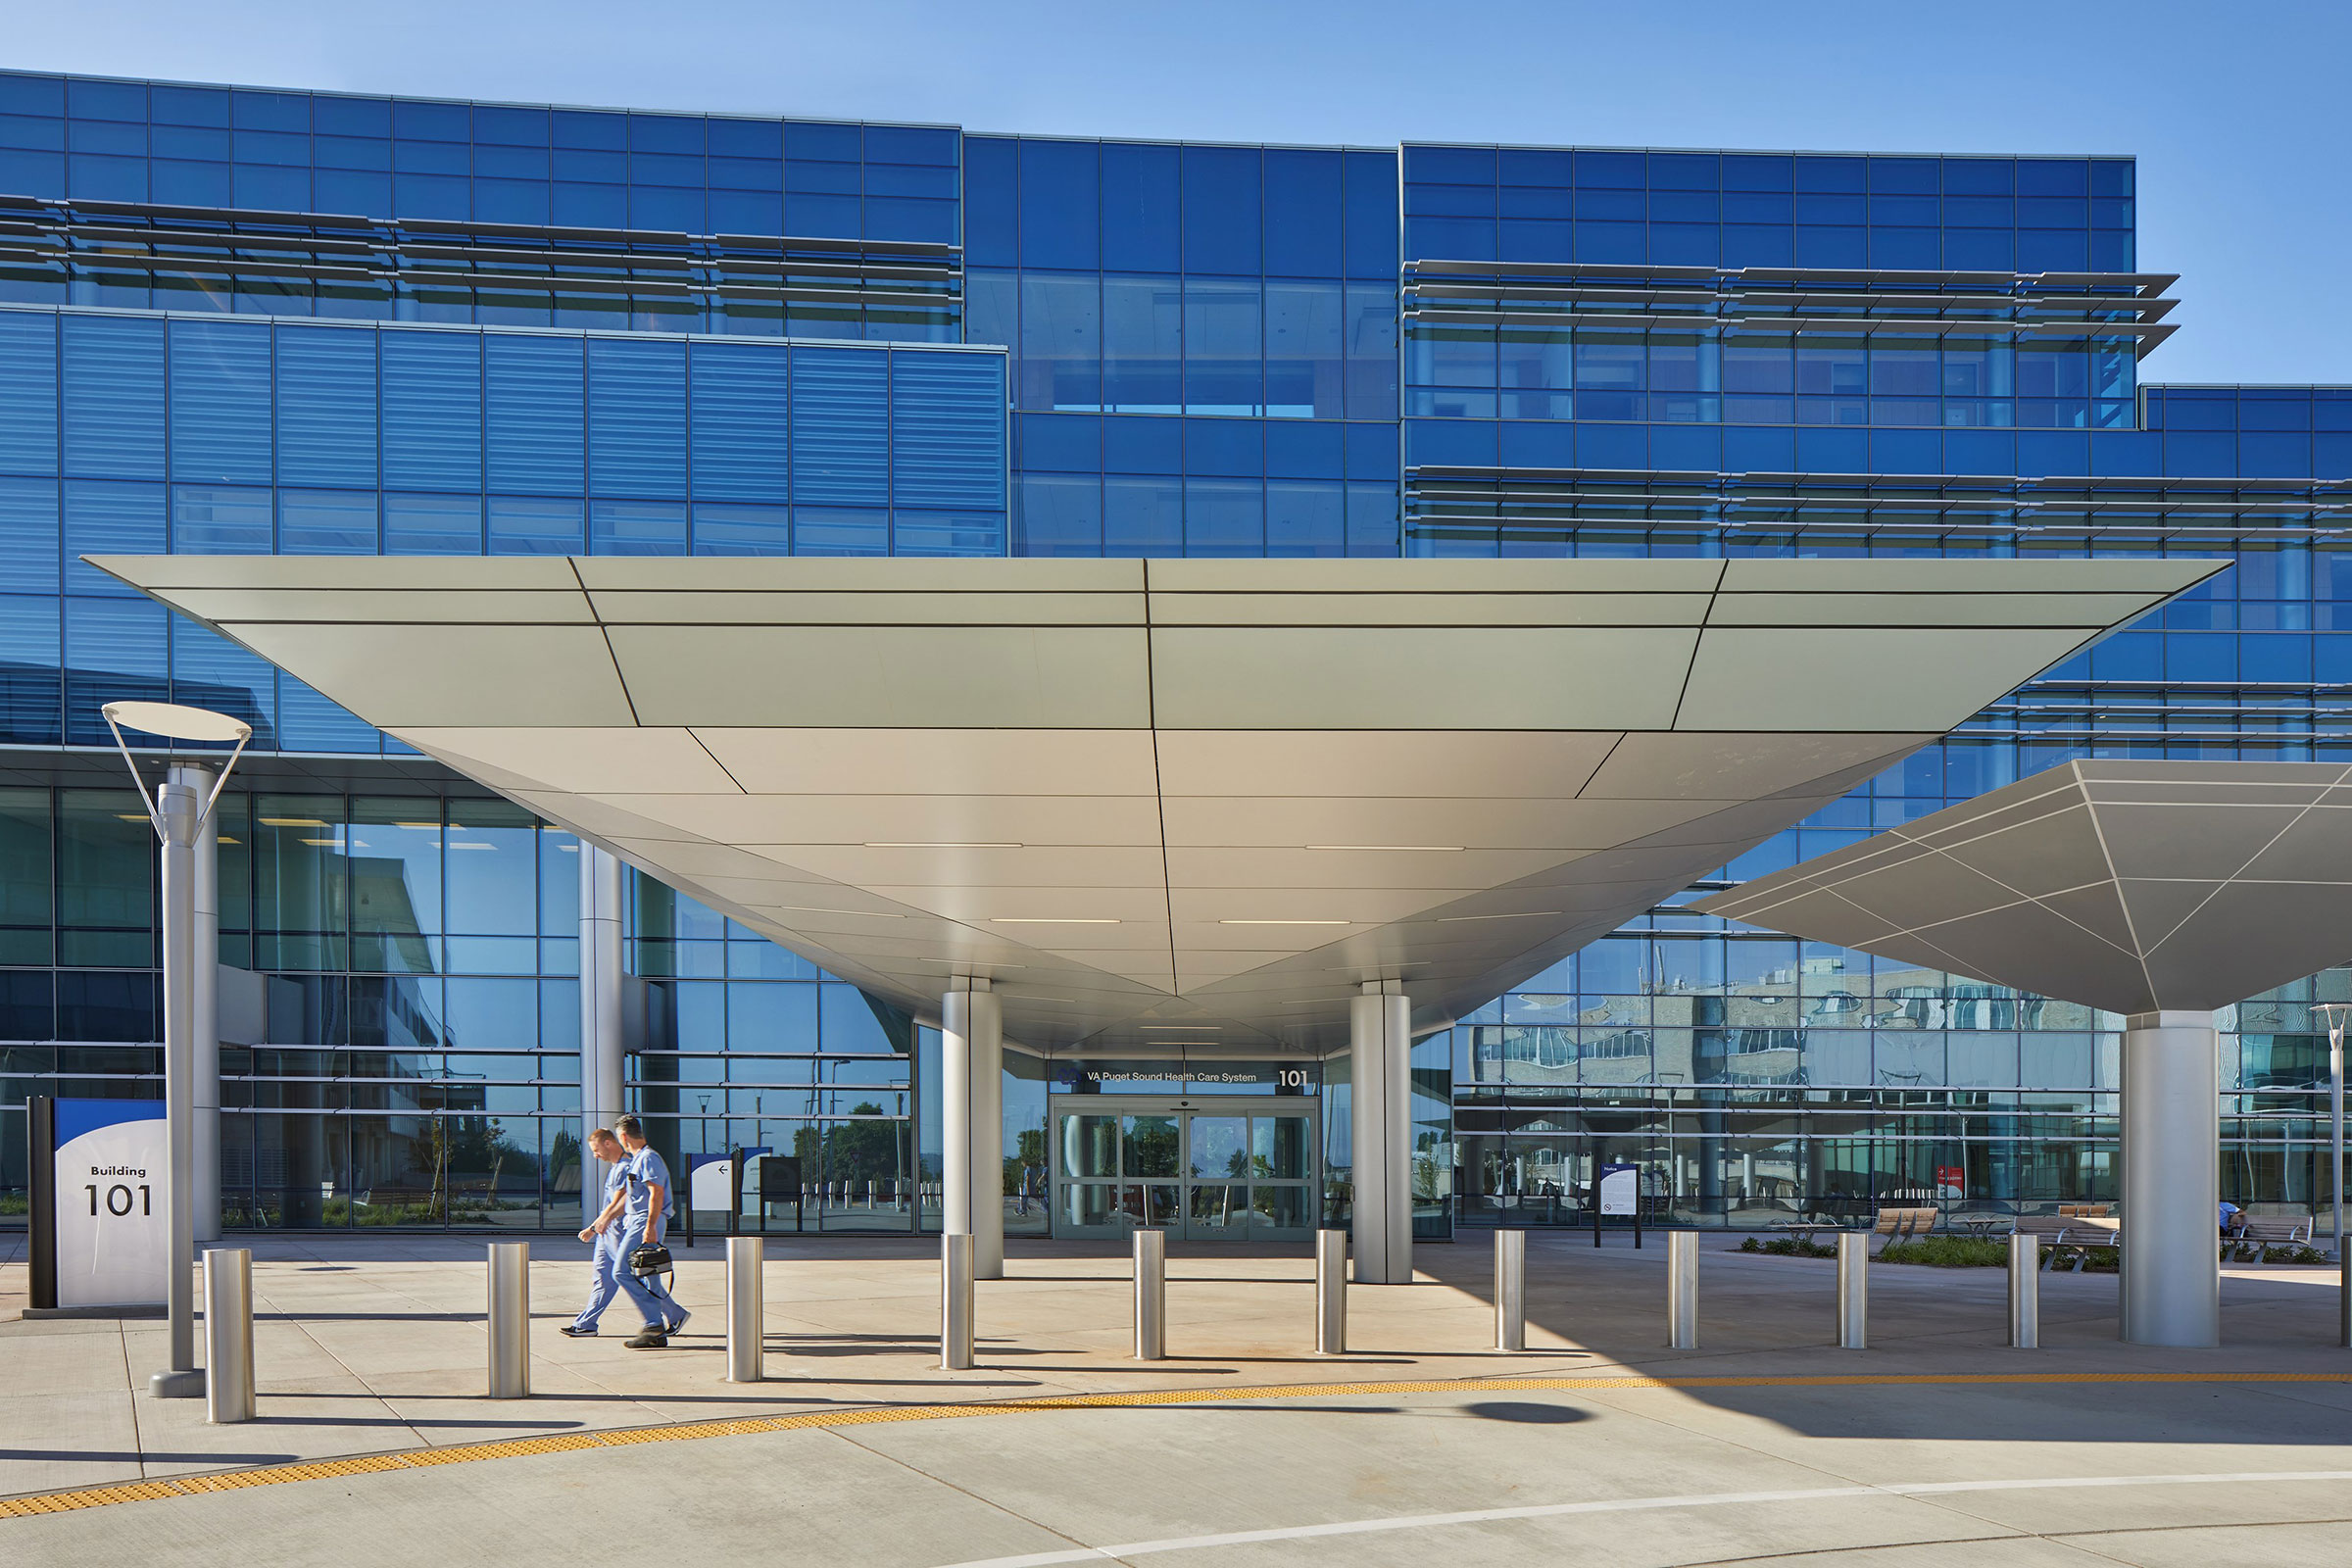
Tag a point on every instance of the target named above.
point(610, 1264)
point(650, 1298)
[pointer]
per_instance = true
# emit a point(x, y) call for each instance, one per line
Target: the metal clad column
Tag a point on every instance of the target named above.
point(2024, 1291)
point(178, 804)
point(1510, 1290)
point(1331, 1293)
point(1681, 1290)
point(203, 1022)
point(510, 1314)
point(2172, 1274)
point(1151, 1294)
point(604, 1043)
point(1381, 1112)
point(1853, 1290)
point(955, 1301)
point(971, 1052)
point(228, 1335)
point(746, 1309)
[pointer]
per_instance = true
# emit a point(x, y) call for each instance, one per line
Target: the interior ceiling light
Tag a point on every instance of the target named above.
point(934, 844)
point(1286, 922)
point(1050, 919)
point(1426, 849)
point(1523, 915)
point(818, 908)
point(291, 821)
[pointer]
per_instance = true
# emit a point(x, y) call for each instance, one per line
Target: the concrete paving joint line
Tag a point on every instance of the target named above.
point(517, 1447)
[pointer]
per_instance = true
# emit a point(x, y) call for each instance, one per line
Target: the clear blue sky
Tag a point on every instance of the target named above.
point(2235, 111)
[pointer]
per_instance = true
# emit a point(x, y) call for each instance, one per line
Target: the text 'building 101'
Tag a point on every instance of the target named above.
point(261, 322)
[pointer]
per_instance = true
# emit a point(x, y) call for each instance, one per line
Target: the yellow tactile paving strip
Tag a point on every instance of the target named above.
point(570, 1442)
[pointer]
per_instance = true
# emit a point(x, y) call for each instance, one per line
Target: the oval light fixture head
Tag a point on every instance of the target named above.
point(176, 722)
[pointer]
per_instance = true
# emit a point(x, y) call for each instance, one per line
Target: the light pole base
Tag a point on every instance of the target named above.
point(183, 1385)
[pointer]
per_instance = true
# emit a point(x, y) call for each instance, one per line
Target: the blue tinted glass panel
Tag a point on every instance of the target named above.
point(739, 422)
point(1140, 209)
point(220, 401)
point(636, 417)
point(432, 524)
point(636, 528)
point(28, 535)
point(116, 650)
point(1061, 216)
point(209, 520)
point(107, 518)
point(114, 402)
point(1221, 210)
point(534, 525)
point(1304, 214)
point(210, 672)
point(840, 426)
point(947, 428)
point(732, 530)
point(534, 411)
point(326, 406)
point(326, 522)
point(433, 401)
point(28, 409)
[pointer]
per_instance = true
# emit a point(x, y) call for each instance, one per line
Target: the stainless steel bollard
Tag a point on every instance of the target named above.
point(1331, 1293)
point(1510, 1290)
point(956, 1302)
point(510, 1320)
point(746, 1309)
point(2343, 1301)
point(2024, 1293)
point(1681, 1290)
point(1151, 1294)
point(228, 1335)
point(1853, 1290)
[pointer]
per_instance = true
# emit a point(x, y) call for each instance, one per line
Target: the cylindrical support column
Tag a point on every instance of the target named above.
point(1381, 1110)
point(1681, 1290)
point(2172, 1181)
point(972, 1034)
point(228, 1335)
point(2024, 1293)
point(955, 1301)
point(179, 805)
point(2343, 1301)
point(1853, 1290)
point(604, 1043)
point(509, 1310)
point(746, 1309)
point(1151, 1294)
point(1510, 1290)
point(204, 1018)
point(1331, 1293)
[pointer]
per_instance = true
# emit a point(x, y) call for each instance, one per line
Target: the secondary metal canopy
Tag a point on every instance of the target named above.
point(1168, 801)
point(2132, 885)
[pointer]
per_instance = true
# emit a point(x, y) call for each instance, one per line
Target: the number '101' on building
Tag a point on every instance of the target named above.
point(241, 321)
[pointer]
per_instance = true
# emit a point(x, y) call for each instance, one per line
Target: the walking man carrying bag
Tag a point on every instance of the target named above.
point(642, 1217)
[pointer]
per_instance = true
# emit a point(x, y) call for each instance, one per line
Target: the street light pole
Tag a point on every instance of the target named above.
point(2336, 1013)
point(180, 811)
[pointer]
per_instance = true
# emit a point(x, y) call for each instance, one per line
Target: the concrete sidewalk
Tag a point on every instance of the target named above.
point(374, 1343)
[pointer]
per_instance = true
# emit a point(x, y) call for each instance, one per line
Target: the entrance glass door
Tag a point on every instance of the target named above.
point(1234, 1172)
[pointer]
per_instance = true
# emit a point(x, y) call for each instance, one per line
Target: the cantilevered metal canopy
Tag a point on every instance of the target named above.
point(1162, 801)
point(2132, 886)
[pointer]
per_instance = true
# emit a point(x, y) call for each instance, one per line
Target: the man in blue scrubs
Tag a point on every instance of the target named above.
point(645, 1211)
point(605, 1232)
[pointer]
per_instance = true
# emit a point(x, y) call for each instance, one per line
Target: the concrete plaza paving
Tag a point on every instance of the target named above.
point(373, 1345)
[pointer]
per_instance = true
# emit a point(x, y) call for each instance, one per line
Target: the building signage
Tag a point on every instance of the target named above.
point(1950, 1182)
point(107, 1240)
point(1620, 1189)
point(710, 1182)
point(1186, 1078)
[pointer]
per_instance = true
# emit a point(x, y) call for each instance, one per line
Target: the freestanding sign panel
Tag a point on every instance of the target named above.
point(1620, 1189)
point(104, 1241)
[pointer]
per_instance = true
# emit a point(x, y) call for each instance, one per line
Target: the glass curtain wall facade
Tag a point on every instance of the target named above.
point(236, 319)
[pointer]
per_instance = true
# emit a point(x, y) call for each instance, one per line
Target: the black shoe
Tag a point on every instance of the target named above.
point(649, 1339)
point(573, 1331)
